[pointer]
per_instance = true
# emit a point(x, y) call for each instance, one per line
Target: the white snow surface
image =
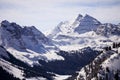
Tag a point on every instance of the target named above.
point(31, 58)
point(11, 69)
point(118, 50)
point(27, 57)
point(78, 41)
point(113, 62)
point(36, 78)
point(81, 72)
point(53, 56)
point(61, 77)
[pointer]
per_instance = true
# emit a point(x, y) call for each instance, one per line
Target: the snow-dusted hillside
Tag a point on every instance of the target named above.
point(11, 69)
point(108, 58)
point(113, 62)
point(27, 43)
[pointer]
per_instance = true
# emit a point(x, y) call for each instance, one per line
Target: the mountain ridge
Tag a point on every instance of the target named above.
point(76, 33)
point(70, 47)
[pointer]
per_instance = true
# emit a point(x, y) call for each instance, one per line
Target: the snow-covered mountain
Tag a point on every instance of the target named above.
point(13, 35)
point(26, 43)
point(80, 25)
point(67, 49)
point(11, 68)
point(87, 23)
point(83, 32)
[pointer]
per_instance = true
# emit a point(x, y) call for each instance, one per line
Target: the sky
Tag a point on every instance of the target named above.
point(45, 15)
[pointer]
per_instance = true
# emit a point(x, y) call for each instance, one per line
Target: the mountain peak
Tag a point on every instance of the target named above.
point(79, 17)
point(4, 23)
point(21, 38)
point(80, 25)
point(87, 23)
point(89, 18)
point(87, 15)
point(7, 24)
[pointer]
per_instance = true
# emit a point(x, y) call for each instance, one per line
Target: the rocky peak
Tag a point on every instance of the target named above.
point(5, 23)
point(87, 18)
point(21, 38)
point(30, 30)
point(79, 17)
point(87, 23)
point(12, 28)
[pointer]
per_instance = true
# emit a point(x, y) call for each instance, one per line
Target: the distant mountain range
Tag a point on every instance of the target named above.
point(83, 32)
point(67, 49)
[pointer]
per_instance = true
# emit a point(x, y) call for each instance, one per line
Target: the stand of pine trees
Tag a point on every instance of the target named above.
point(116, 44)
point(92, 69)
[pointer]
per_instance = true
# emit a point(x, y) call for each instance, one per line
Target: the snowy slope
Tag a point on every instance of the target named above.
point(84, 31)
point(11, 69)
point(61, 77)
point(36, 78)
point(65, 28)
point(79, 41)
point(27, 43)
point(109, 58)
point(113, 62)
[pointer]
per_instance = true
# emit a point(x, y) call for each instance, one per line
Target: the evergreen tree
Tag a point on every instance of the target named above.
point(114, 44)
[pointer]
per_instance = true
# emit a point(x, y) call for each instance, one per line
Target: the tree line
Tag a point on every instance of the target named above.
point(92, 69)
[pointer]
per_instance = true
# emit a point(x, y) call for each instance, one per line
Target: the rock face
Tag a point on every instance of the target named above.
point(87, 23)
point(13, 35)
point(108, 29)
point(3, 53)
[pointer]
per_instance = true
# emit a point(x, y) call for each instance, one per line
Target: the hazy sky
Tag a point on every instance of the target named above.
point(46, 14)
